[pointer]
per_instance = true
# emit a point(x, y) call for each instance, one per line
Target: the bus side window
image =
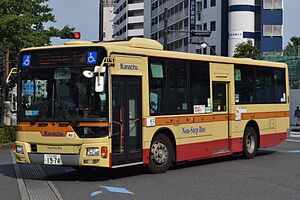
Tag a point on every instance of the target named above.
point(153, 102)
point(156, 87)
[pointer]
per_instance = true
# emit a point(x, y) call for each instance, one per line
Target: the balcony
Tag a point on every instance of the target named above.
point(136, 6)
point(135, 32)
point(118, 5)
point(136, 19)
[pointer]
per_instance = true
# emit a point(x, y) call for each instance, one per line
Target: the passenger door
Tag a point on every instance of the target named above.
point(221, 115)
point(222, 87)
point(127, 113)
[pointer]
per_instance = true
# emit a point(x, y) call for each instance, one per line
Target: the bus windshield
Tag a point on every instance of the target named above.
point(60, 93)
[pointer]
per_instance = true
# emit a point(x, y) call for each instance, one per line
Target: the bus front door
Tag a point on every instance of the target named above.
point(127, 120)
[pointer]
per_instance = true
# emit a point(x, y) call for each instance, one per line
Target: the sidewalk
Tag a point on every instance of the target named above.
point(8, 183)
point(25, 182)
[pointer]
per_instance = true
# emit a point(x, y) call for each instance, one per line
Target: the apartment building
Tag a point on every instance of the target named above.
point(129, 19)
point(108, 16)
point(230, 22)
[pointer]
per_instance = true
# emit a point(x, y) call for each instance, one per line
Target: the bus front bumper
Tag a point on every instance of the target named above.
point(24, 154)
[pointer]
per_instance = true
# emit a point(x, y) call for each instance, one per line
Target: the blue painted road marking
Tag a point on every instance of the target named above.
point(95, 193)
point(290, 151)
point(117, 190)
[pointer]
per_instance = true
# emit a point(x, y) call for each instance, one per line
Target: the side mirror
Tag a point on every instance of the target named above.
point(88, 74)
point(99, 84)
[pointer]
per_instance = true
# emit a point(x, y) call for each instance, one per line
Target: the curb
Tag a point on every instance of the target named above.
point(21, 184)
point(6, 145)
point(32, 182)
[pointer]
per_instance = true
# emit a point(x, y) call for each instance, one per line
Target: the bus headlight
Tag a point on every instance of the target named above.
point(20, 150)
point(92, 152)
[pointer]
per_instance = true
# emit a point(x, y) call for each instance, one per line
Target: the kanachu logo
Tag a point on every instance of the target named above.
point(53, 134)
point(129, 67)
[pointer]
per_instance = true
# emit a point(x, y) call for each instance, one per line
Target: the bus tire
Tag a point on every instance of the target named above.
point(249, 142)
point(161, 154)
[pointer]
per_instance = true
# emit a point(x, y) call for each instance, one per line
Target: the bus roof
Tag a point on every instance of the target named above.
point(152, 48)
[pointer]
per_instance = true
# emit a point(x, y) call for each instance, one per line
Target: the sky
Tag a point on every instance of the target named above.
point(83, 15)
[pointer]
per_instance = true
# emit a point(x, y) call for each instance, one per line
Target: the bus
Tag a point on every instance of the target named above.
point(125, 103)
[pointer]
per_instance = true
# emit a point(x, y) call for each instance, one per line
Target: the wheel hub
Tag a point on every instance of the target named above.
point(159, 153)
point(250, 143)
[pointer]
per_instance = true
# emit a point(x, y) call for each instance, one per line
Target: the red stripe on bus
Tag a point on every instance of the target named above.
point(202, 150)
point(272, 139)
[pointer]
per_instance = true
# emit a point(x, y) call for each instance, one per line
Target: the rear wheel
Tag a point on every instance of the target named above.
point(249, 142)
point(161, 154)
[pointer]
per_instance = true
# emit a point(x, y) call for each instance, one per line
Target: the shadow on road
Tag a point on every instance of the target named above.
point(220, 159)
point(58, 173)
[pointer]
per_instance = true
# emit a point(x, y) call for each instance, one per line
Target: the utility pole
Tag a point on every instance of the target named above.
point(101, 20)
point(166, 29)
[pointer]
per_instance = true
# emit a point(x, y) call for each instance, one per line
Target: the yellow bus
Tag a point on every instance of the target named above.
point(126, 103)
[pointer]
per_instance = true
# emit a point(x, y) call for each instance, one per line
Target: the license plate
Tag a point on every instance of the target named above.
point(52, 159)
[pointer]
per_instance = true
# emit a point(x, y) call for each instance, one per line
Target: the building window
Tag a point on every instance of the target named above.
point(272, 30)
point(204, 50)
point(205, 26)
point(204, 4)
point(273, 4)
point(213, 3)
point(212, 50)
point(213, 26)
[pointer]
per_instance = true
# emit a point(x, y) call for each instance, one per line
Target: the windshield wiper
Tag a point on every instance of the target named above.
point(72, 121)
point(34, 119)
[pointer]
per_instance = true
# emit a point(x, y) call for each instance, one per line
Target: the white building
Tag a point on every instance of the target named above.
point(108, 19)
point(230, 22)
point(129, 19)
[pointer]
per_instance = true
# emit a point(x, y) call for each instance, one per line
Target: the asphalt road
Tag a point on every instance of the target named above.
point(273, 174)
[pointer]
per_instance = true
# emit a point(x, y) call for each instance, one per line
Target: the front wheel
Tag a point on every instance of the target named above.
point(249, 143)
point(161, 154)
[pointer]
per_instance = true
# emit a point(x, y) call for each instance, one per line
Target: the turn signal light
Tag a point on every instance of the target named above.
point(104, 152)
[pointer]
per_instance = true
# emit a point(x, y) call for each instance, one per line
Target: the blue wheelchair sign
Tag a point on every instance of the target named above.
point(91, 58)
point(26, 61)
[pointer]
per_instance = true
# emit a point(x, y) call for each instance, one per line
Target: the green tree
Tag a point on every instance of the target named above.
point(293, 47)
point(22, 24)
point(246, 50)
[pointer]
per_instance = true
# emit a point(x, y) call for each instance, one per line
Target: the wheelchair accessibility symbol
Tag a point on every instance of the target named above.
point(91, 58)
point(26, 60)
